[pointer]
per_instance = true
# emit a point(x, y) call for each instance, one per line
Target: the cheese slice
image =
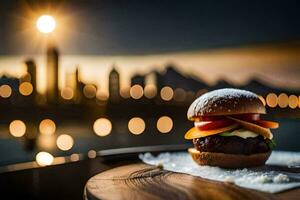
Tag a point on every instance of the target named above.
point(243, 133)
point(196, 133)
point(265, 132)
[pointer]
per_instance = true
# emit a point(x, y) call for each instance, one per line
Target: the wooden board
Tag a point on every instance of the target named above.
point(141, 181)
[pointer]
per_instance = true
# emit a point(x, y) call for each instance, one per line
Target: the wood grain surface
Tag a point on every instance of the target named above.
point(141, 181)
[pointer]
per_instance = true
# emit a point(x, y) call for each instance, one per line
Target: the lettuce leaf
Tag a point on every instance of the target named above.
point(225, 134)
point(271, 143)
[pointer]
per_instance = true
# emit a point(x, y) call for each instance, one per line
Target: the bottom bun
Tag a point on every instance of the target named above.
point(229, 160)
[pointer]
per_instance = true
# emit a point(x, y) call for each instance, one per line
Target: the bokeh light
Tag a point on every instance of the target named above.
point(102, 127)
point(136, 91)
point(25, 88)
point(283, 100)
point(164, 124)
point(136, 125)
point(92, 154)
point(67, 93)
point(46, 24)
point(46, 142)
point(17, 128)
point(166, 93)
point(150, 91)
point(47, 127)
point(293, 101)
point(74, 157)
point(64, 142)
point(44, 158)
point(89, 91)
point(179, 94)
point(5, 91)
point(102, 96)
point(125, 92)
point(272, 100)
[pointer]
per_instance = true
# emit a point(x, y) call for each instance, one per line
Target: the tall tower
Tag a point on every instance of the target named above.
point(52, 74)
point(78, 86)
point(77, 79)
point(31, 69)
point(114, 85)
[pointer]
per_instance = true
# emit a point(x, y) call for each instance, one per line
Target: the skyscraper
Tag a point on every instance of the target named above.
point(31, 70)
point(52, 74)
point(78, 86)
point(114, 85)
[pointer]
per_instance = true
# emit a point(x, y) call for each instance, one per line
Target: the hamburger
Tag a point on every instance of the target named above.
point(229, 131)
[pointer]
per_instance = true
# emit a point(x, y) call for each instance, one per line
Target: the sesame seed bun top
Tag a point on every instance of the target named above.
point(226, 101)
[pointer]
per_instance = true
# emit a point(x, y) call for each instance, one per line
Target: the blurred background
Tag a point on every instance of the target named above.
point(84, 78)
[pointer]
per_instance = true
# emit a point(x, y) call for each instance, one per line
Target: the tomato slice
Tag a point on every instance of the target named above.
point(267, 124)
point(196, 133)
point(211, 125)
point(208, 118)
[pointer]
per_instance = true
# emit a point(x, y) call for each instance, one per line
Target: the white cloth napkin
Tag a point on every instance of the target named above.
point(270, 178)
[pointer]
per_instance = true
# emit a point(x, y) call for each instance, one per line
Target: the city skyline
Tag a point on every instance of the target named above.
point(169, 85)
point(259, 61)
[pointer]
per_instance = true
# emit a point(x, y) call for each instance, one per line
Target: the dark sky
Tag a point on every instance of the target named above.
point(147, 27)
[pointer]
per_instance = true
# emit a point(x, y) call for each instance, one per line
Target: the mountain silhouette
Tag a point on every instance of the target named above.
point(221, 84)
point(173, 78)
point(257, 86)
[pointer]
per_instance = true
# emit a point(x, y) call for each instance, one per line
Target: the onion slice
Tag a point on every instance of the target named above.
point(265, 132)
point(267, 124)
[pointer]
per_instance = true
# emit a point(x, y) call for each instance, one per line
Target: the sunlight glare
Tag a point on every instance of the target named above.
point(46, 24)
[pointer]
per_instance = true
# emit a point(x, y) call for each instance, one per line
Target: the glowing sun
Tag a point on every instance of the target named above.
point(46, 24)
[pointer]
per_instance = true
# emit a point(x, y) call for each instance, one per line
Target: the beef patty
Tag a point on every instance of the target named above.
point(231, 145)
